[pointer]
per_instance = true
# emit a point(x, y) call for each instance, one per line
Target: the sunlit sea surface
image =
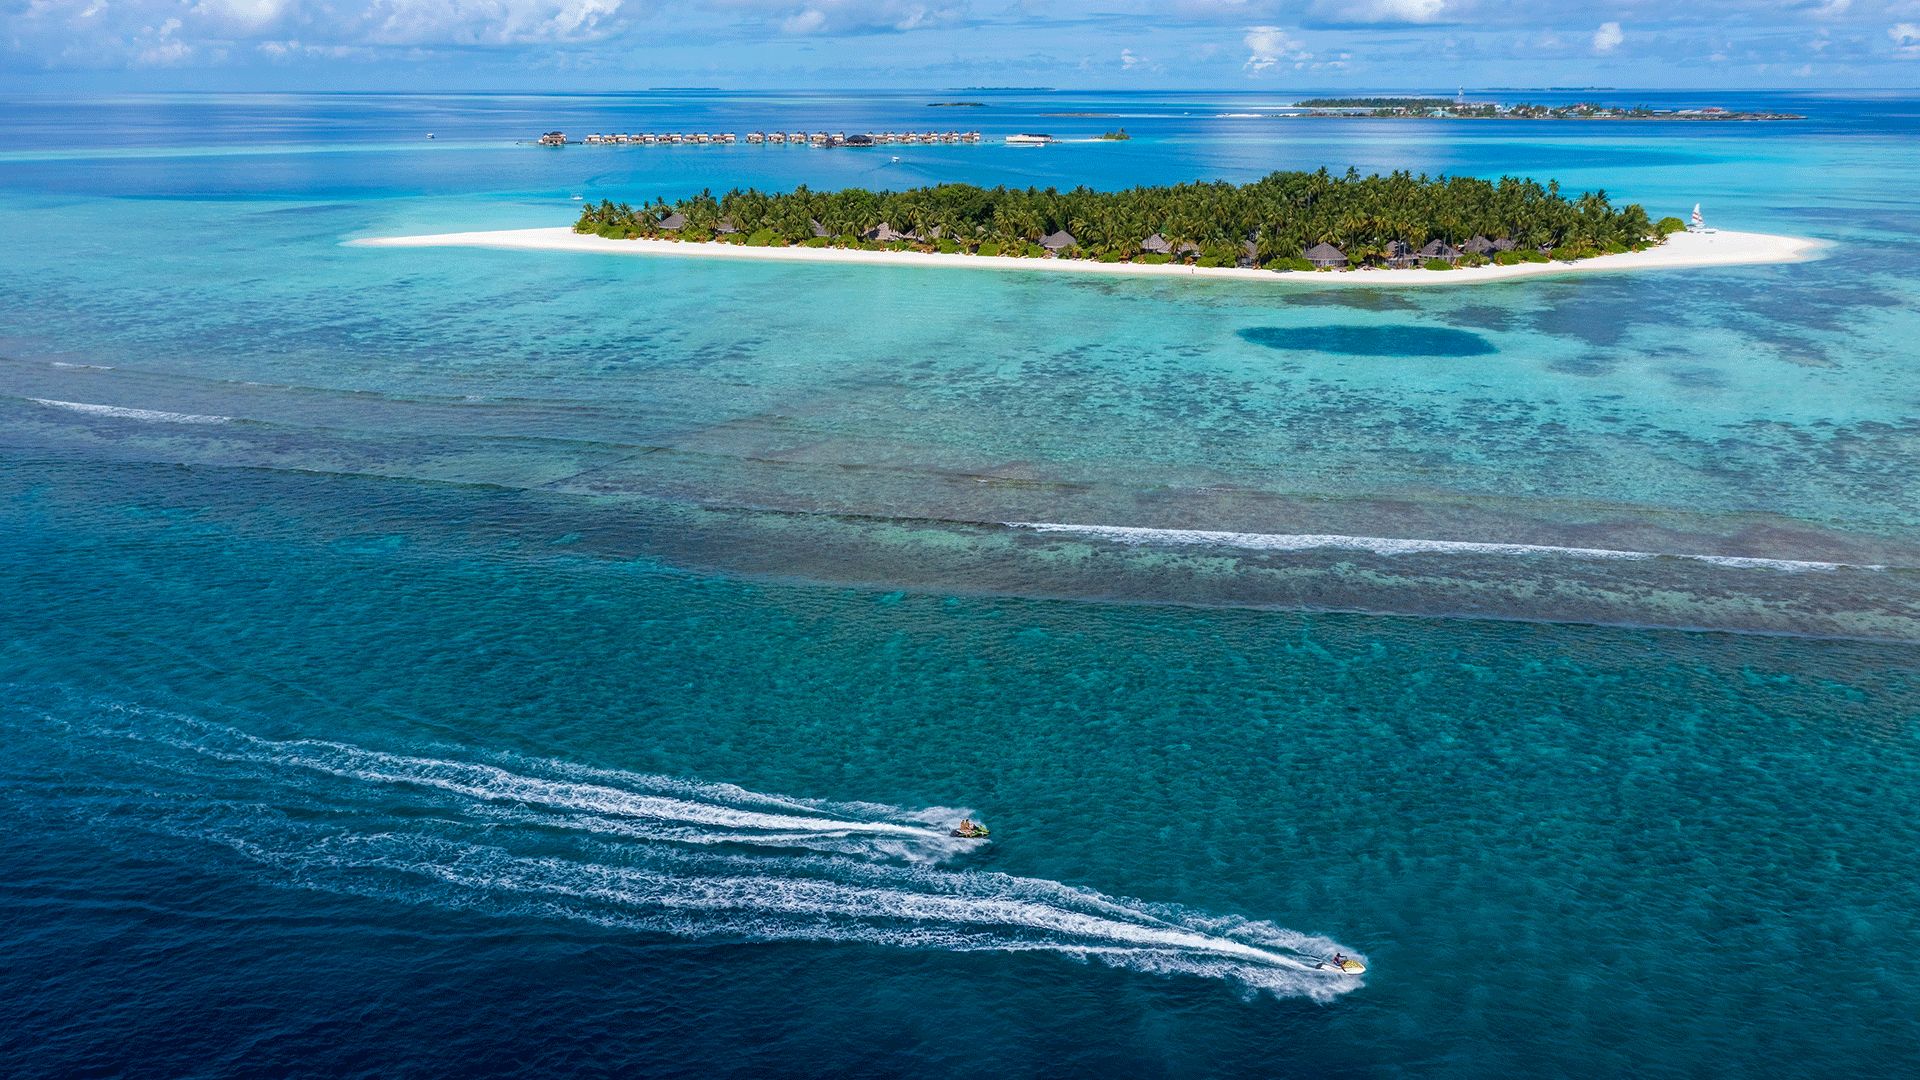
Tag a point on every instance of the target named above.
point(457, 662)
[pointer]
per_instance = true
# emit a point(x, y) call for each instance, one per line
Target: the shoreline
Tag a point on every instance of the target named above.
point(1722, 248)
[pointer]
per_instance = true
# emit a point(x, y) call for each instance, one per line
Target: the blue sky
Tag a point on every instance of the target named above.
point(1111, 44)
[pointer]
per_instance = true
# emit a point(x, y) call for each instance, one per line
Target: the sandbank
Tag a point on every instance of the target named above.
point(1721, 248)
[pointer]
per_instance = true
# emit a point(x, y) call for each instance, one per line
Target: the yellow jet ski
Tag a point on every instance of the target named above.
point(1344, 965)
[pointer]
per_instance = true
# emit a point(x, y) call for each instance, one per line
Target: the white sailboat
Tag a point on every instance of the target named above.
point(1698, 224)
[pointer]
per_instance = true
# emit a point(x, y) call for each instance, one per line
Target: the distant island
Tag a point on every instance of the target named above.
point(1286, 221)
point(1376, 103)
point(956, 104)
point(1444, 109)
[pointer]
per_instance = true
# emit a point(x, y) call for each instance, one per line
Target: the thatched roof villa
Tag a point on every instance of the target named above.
point(1325, 256)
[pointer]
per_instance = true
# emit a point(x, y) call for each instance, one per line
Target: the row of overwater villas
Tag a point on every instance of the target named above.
point(794, 138)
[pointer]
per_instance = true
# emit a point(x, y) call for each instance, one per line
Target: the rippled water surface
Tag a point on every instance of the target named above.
point(464, 662)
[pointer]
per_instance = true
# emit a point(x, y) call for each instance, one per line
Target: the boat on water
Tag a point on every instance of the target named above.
point(1029, 139)
point(1698, 224)
point(1344, 965)
point(970, 830)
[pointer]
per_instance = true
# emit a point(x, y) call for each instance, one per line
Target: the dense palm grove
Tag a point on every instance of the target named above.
point(1271, 222)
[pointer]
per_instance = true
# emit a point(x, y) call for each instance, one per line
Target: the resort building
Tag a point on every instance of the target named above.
point(1325, 256)
point(801, 138)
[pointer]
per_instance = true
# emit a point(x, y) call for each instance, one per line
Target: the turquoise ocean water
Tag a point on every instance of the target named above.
point(452, 662)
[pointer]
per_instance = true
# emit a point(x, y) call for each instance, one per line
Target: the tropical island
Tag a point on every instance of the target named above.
point(1286, 221)
point(1445, 109)
point(1290, 226)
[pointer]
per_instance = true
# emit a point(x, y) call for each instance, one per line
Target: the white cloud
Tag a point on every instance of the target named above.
point(1607, 38)
point(1906, 38)
point(169, 32)
point(1270, 45)
point(832, 17)
point(804, 22)
point(1380, 11)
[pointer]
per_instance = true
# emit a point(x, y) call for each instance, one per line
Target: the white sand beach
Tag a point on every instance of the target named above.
point(1722, 248)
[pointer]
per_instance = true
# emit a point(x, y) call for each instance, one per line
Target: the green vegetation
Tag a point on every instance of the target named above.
point(1266, 223)
point(1376, 103)
point(1668, 226)
point(1117, 136)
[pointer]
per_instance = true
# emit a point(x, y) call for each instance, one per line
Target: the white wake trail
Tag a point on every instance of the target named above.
point(522, 837)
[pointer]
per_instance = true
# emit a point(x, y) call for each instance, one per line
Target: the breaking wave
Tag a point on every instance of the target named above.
point(516, 836)
point(1380, 545)
point(118, 412)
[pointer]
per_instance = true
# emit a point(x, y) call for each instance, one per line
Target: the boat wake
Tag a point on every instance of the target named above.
point(515, 836)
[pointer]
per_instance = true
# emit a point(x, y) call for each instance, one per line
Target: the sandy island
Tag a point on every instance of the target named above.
point(1720, 248)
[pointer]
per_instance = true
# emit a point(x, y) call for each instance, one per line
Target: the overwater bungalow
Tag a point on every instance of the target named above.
point(554, 138)
point(1325, 256)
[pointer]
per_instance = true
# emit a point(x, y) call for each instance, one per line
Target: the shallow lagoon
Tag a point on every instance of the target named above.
point(744, 524)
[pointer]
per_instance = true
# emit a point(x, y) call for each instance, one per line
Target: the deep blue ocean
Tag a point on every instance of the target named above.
point(461, 663)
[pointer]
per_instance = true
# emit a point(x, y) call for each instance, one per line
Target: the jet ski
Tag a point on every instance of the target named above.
point(1346, 965)
point(970, 830)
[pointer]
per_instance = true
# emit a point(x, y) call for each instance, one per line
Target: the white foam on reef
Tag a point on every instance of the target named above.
point(150, 415)
point(532, 838)
point(1381, 545)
